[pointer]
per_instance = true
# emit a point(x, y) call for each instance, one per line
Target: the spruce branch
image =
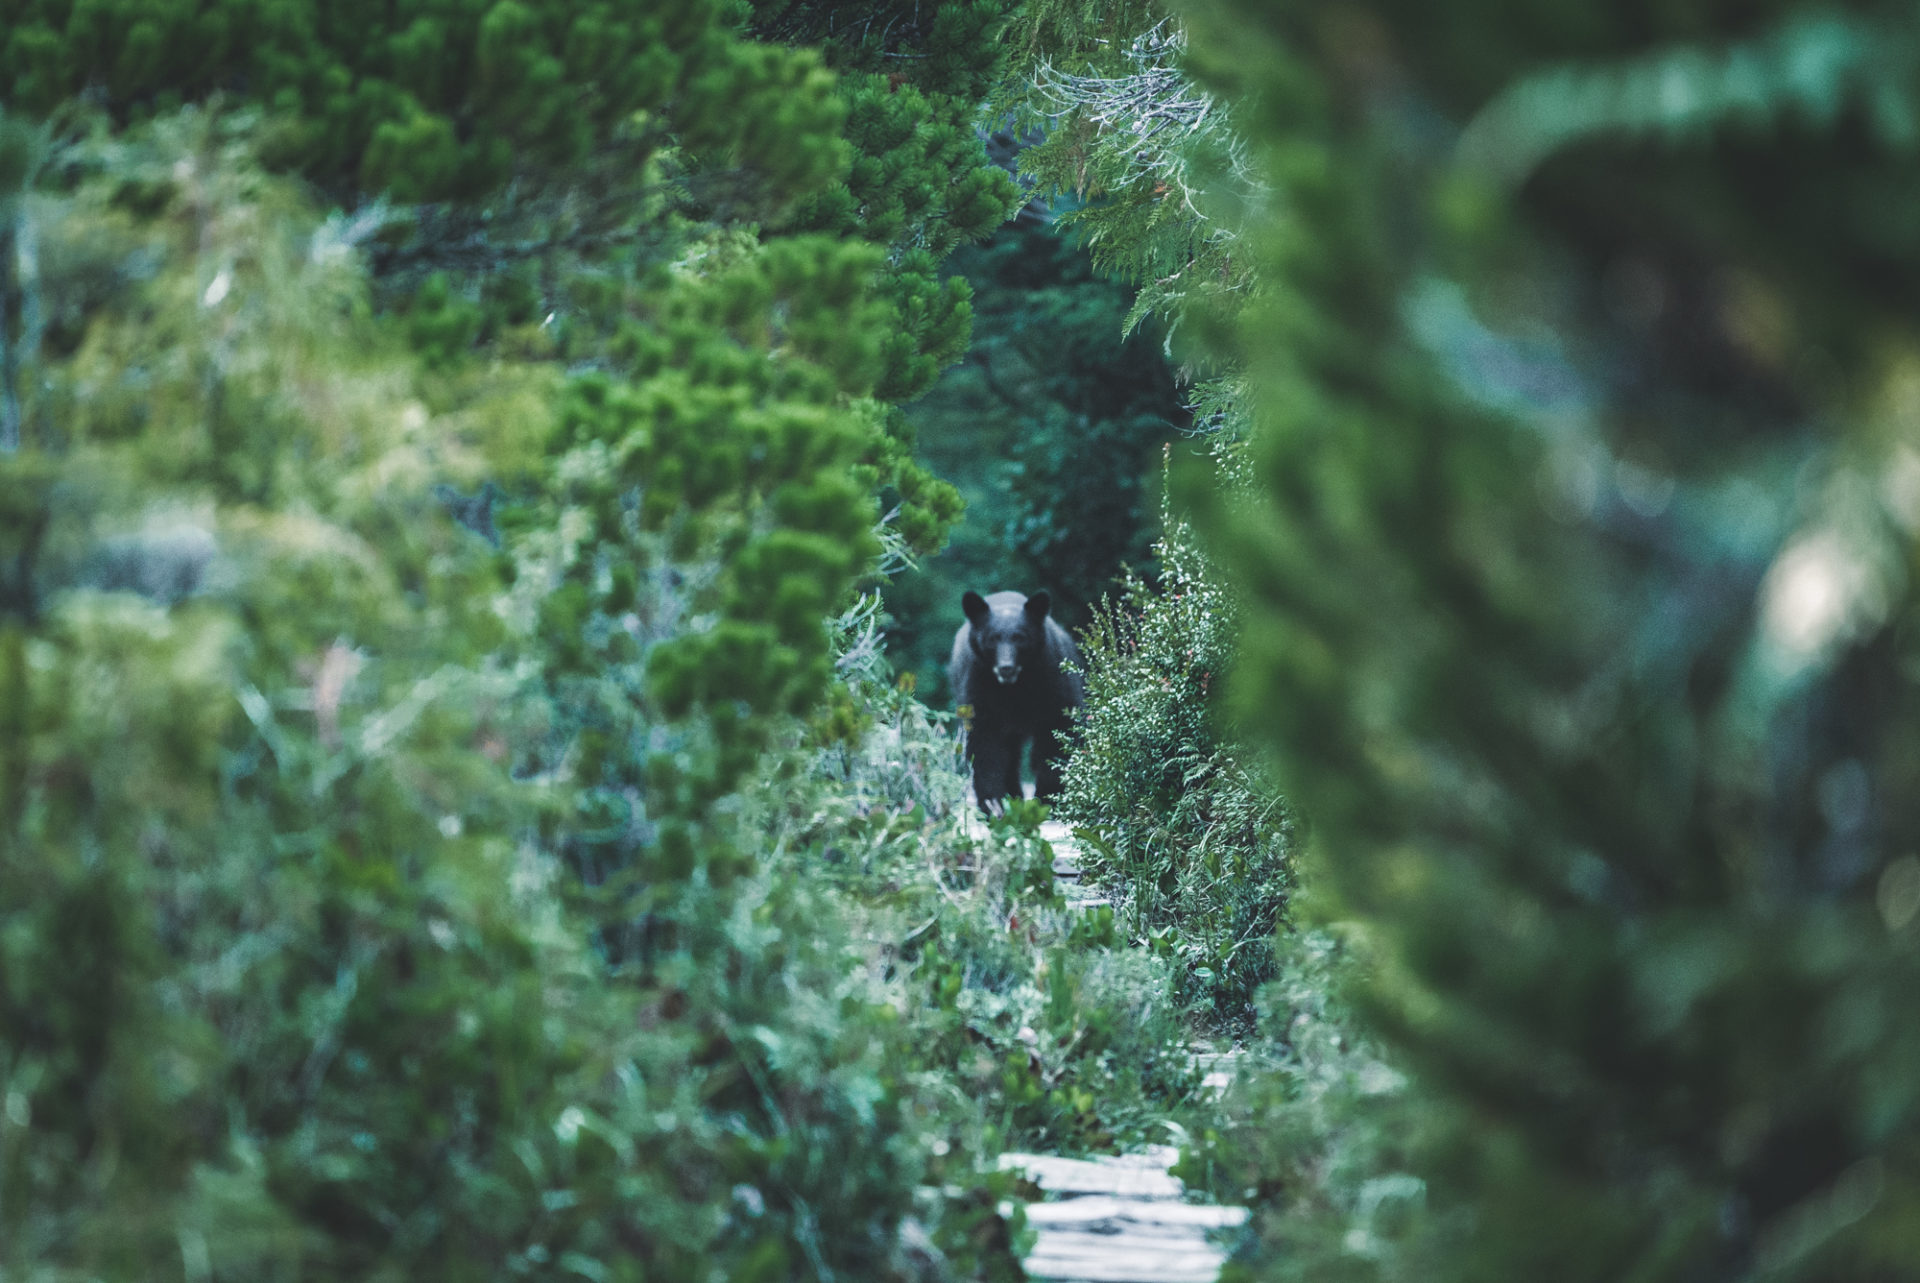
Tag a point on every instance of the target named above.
point(1151, 119)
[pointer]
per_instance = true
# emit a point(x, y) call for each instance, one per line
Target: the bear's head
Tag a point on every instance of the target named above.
point(1008, 632)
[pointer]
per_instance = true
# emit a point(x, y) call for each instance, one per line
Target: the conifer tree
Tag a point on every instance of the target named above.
point(1578, 615)
point(377, 903)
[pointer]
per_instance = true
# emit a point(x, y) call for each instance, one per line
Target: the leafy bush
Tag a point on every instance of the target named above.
point(379, 903)
point(446, 104)
point(391, 895)
point(1580, 615)
point(1068, 1036)
point(1171, 817)
point(280, 996)
point(1318, 1131)
point(1038, 1024)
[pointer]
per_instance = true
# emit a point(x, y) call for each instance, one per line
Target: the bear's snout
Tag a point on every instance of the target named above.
point(1007, 673)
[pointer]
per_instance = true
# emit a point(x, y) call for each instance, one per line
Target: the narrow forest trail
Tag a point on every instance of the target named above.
point(1125, 1218)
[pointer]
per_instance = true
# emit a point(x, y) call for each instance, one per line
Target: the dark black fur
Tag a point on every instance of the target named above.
point(1008, 665)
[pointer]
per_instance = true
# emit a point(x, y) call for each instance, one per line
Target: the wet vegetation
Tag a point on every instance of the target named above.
point(485, 490)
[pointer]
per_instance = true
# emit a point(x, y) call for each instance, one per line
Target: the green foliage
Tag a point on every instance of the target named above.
point(1317, 1130)
point(1087, 411)
point(544, 160)
point(1154, 162)
point(1041, 1024)
point(936, 317)
point(1172, 815)
point(269, 987)
point(1082, 33)
point(423, 930)
point(919, 178)
point(1811, 68)
point(1577, 617)
point(952, 49)
point(1053, 1030)
point(447, 102)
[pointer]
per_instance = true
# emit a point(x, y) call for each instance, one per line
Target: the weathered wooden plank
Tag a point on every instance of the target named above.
point(1129, 1175)
point(1103, 1214)
point(1102, 1258)
point(1217, 1070)
point(1120, 1219)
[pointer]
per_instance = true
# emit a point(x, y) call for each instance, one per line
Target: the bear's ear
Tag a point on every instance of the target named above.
point(1039, 604)
point(975, 605)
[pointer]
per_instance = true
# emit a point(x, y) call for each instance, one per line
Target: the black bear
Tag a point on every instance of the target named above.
point(1009, 663)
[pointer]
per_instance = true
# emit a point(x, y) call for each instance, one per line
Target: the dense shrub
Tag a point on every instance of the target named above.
point(422, 931)
point(307, 1028)
point(1580, 615)
point(1040, 1025)
point(1172, 815)
point(448, 101)
point(1318, 1130)
point(1069, 1037)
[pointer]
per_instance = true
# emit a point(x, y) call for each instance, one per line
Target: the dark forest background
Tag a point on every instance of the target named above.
point(1052, 429)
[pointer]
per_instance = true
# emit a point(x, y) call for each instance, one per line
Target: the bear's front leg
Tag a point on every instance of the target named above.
point(995, 755)
point(1013, 768)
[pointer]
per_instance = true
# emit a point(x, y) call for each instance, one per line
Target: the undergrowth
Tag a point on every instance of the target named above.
point(1319, 1130)
point(1174, 820)
point(1042, 1026)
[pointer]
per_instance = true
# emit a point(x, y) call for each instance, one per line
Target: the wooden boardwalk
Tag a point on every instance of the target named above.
point(1120, 1219)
